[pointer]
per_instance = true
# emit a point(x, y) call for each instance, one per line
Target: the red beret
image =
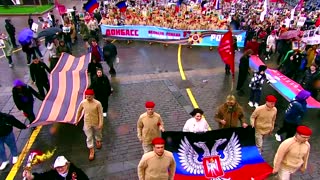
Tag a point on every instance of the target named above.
point(271, 98)
point(150, 104)
point(304, 130)
point(158, 140)
point(89, 92)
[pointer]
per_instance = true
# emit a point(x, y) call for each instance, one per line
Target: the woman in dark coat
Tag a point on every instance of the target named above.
point(102, 89)
point(23, 98)
point(243, 70)
point(93, 66)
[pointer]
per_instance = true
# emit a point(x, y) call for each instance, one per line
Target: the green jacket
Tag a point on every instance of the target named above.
point(8, 48)
point(286, 57)
point(84, 32)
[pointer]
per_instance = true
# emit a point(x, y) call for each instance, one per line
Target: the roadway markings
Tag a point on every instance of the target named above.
point(183, 77)
point(23, 154)
point(19, 49)
point(14, 51)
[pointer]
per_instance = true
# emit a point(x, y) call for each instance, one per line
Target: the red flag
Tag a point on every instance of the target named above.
point(318, 22)
point(226, 50)
point(301, 4)
point(60, 7)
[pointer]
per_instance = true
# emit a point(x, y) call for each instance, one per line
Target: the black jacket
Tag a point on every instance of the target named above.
point(53, 174)
point(109, 51)
point(30, 21)
point(38, 72)
point(9, 27)
point(101, 87)
point(24, 97)
point(7, 121)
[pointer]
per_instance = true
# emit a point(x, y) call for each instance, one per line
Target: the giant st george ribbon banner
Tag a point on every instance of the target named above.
point(281, 83)
point(170, 36)
point(225, 154)
point(68, 81)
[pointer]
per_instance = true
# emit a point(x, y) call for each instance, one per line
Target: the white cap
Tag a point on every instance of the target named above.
point(60, 161)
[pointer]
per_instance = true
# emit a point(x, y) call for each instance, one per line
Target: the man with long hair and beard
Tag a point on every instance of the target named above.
point(230, 114)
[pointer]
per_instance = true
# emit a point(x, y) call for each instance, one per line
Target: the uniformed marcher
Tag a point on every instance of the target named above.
point(149, 126)
point(93, 121)
point(293, 154)
point(155, 164)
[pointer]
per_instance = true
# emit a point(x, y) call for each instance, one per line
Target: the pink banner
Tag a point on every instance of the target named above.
point(281, 83)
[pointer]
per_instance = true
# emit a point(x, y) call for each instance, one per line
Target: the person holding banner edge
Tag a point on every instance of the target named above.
point(293, 154)
point(294, 115)
point(263, 119)
point(230, 114)
point(155, 164)
point(196, 124)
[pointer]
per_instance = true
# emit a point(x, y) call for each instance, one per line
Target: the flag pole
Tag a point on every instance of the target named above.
point(232, 81)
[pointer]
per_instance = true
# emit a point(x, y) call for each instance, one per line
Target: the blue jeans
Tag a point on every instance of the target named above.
point(69, 44)
point(11, 143)
point(255, 95)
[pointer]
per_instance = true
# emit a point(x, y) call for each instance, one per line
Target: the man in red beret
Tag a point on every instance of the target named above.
point(149, 126)
point(293, 154)
point(93, 121)
point(155, 164)
point(263, 119)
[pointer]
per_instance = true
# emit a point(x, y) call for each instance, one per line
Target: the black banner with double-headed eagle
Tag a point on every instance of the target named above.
point(220, 154)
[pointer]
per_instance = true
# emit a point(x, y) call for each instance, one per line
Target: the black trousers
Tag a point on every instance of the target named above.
point(243, 75)
point(28, 110)
point(53, 63)
point(41, 86)
point(9, 59)
point(13, 39)
point(288, 128)
point(110, 62)
point(227, 68)
point(104, 102)
point(30, 54)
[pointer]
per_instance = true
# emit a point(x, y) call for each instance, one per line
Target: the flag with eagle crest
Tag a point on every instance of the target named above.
point(225, 154)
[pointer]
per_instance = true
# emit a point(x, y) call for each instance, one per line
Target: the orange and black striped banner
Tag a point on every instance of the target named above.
point(68, 81)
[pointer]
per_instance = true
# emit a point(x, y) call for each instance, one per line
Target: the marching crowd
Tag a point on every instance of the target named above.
point(262, 40)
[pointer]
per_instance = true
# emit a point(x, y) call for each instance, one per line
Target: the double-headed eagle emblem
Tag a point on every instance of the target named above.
point(230, 157)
